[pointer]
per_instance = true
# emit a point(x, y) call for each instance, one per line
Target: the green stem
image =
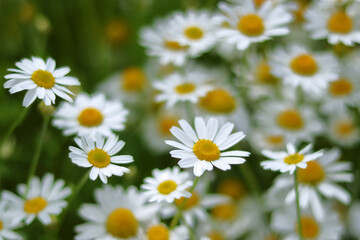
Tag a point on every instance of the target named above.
point(175, 219)
point(297, 206)
point(250, 179)
point(191, 232)
point(15, 124)
point(36, 156)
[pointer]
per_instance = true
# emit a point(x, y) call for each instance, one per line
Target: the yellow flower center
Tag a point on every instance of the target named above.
point(344, 128)
point(340, 22)
point(341, 87)
point(164, 124)
point(258, 3)
point(99, 158)
point(1, 225)
point(174, 45)
point(215, 236)
point(185, 88)
point(304, 64)
point(263, 74)
point(224, 212)
point(218, 101)
point(290, 119)
point(309, 227)
point(313, 174)
point(43, 79)
point(133, 79)
point(158, 232)
point(190, 203)
point(117, 31)
point(275, 139)
point(194, 33)
point(121, 223)
point(251, 25)
point(167, 187)
point(300, 10)
point(35, 205)
point(90, 117)
point(271, 236)
point(293, 158)
point(206, 150)
point(233, 188)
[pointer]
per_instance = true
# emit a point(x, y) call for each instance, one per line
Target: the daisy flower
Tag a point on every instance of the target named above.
point(245, 24)
point(41, 79)
point(260, 139)
point(290, 160)
point(7, 225)
point(167, 185)
point(334, 23)
point(177, 88)
point(100, 156)
point(204, 148)
point(90, 115)
point(297, 66)
point(159, 231)
point(117, 214)
point(320, 177)
point(44, 198)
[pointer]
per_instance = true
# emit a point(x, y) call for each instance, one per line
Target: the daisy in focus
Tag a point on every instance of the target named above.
point(167, 185)
point(117, 214)
point(41, 79)
point(43, 199)
point(289, 160)
point(297, 66)
point(7, 225)
point(90, 115)
point(204, 148)
point(99, 154)
point(244, 24)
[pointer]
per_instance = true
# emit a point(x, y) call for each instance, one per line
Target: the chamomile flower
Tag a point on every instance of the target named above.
point(320, 177)
point(90, 115)
point(100, 156)
point(117, 214)
point(177, 88)
point(44, 198)
point(167, 185)
point(334, 23)
point(7, 225)
point(204, 148)
point(298, 66)
point(289, 160)
point(260, 139)
point(245, 24)
point(159, 231)
point(41, 79)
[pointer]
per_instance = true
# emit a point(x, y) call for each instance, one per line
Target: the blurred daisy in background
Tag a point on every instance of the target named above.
point(159, 231)
point(43, 199)
point(117, 214)
point(260, 139)
point(204, 148)
point(90, 115)
point(244, 24)
point(100, 156)
point(354, 219)
point(41, 79)
point(7, 225)
point(298, 66)
point(167, 185)
point(289, 160)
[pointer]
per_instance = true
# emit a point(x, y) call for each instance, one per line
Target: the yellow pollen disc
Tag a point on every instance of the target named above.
point(224, 212)
point(185, 88)
point(309, 227)
point(158, 232)
point(304, 64)
point(206, 150)
point(251, 25)
point(174, 45)
point(194, 33)
point(233, 188)
point(99, 158)
point(271, 236)
point(117, 31)
point(341, 87)
point(133, 79)
point(344, 128)
point(218, 101)
point(275, 139)
point(122, 223)
point(191, 202)
point(313, 174)
point(35, 205)
point(300, 10)
point(164, 124)
point(290, 119)
point(258, 3)
point(340, 22)
point(43, 79)
point(263, 74)
point(90, 117)
point(167, 187)
point(293, 158)
point(1, 225)
point(215, 236)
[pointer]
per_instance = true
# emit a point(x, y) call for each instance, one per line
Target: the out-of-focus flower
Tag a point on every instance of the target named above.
point(354, 219)
point(41, 79)
point(7, 224)
point(116, 31)
point(159, 231)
